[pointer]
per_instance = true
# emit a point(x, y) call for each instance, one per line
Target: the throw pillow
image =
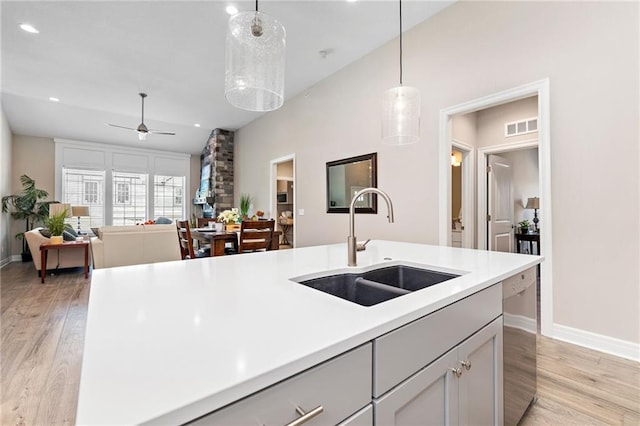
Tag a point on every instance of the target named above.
point(163, 221)
point(70, 230)
point(45, 232)
point(68, 236)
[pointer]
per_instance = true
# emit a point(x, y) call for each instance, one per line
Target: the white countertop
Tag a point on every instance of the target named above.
point(169, 342)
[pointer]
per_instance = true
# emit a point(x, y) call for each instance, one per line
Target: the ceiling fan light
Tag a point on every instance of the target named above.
point(254, 62)
point(142, 136)
point(401, 116)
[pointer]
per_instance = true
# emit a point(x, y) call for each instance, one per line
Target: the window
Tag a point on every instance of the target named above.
point(168, 200)
point(85, 188)
point(129, 198)
point(90, 195)
point(122, 193)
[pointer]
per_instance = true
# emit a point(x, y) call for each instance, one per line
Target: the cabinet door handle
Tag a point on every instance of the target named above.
point(305, 417)
point(466, 364)
point(456, 372)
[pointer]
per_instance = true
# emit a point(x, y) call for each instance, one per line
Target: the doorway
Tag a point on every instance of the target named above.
point(282, 196)
point(541, 90)
point(463, 210)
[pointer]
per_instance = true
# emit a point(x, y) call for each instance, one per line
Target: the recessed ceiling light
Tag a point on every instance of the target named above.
point(351, 1)
point(53, 99)
point(231, 10)
point(29, 28)
point(196, 125)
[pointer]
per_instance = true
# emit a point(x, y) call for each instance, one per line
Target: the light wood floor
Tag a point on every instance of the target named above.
point(43, 334)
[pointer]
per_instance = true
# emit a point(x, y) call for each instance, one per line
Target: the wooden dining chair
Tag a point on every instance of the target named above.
point(186, 241)
point(255, 235)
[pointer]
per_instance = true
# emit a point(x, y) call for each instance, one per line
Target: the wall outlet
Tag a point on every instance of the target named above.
point(300, 212)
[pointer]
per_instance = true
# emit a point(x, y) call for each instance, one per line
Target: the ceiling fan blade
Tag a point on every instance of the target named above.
point(160, 132)
point(121, 127)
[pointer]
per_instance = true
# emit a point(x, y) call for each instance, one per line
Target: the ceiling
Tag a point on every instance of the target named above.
point(96, 56)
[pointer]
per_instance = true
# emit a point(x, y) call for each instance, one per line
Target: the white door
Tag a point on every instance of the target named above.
point(500, 204)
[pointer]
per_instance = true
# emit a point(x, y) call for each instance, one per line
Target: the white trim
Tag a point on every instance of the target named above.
point(599, 342)
point(541, 89)
point(7, 260)
point(273, 202)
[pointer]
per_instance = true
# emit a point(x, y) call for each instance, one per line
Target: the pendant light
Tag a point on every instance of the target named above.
point(255, 56)
point(401, 110)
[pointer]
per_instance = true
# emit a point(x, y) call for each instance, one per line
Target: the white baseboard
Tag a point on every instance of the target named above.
point(598, 342)
point(7, 260)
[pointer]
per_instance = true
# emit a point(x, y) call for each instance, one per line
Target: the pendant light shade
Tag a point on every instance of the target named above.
point(401, 110)
point(255, 57)
point(401, 116)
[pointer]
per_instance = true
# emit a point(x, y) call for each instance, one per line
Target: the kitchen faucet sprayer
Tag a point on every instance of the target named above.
point(351, 240)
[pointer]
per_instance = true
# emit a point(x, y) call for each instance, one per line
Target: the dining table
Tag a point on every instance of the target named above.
point(219, 239)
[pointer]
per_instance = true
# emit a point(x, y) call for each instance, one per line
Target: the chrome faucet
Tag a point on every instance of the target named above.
point(351, 240)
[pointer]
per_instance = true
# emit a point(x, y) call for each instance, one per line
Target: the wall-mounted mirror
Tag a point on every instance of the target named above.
point(348, 176)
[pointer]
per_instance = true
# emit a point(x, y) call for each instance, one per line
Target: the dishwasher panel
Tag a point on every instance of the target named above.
point(520, 330)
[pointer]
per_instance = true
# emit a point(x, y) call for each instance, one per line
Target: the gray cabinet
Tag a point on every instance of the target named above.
point(464, 386)
point(340, 386)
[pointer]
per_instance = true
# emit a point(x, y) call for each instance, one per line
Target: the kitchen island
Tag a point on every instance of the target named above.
point(170, 342)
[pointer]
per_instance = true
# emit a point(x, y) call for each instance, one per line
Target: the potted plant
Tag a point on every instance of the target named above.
point(245, 203)
point(27, 206)
point(56, 225)
point(524, 226)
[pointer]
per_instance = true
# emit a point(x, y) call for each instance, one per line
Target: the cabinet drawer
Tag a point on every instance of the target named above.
point(341, 386)
point(404, 351)
point(518, 282)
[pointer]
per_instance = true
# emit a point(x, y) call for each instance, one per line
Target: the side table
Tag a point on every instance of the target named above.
point(44, 249)
point(533, 237)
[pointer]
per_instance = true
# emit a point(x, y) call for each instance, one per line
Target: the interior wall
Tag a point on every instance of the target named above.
point(34, 157)
point(285, 169)
point(490, 122)
point(588, 50)
point(6, 170)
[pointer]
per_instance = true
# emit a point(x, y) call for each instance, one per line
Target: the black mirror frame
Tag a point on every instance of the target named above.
point(373, 157)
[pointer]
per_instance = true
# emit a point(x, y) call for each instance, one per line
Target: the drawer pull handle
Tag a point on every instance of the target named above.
point(466, 364)
point(456, 372)
point(305, 417)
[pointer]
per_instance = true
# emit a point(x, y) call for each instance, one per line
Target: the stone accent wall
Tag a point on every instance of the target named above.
point(218, 152)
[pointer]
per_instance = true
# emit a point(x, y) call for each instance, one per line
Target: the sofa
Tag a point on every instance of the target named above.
point(134, 245)
point(56, 259)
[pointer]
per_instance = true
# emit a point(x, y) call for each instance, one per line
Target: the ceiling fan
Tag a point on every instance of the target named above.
point(142, 129)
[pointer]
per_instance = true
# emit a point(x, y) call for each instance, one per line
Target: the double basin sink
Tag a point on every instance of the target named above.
point(378, 285)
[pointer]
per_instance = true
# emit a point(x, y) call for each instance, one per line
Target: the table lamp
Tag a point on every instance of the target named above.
point(534, 203)
point(57, 208)
point(80, 211)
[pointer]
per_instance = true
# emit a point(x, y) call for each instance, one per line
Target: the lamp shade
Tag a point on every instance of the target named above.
point(401, 116)
point(78, 211)
point(57, 208)
point(533, 203)
point(254, 62)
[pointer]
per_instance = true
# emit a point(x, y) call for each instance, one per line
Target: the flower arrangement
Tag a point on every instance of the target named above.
point(229, 216)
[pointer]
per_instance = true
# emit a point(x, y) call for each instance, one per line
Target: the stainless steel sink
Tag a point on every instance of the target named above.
point(378, 285)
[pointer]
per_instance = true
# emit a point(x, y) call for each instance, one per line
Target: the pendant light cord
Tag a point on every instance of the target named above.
point(256, 5)
point(400, 41)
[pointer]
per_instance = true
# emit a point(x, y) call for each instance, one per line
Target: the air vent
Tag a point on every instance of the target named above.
point(521, 127)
